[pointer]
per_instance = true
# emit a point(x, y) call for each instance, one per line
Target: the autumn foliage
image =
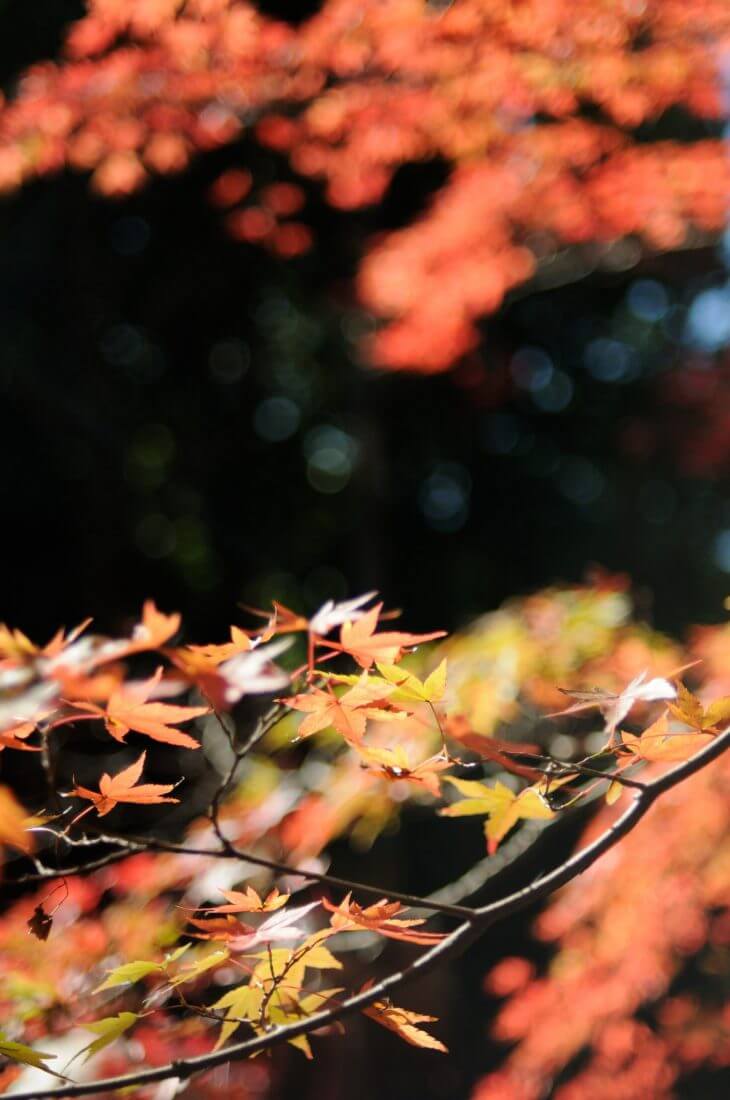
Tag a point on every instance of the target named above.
point(128, 934)
point(174, 817)
point(548, 119)
point(631, 1003)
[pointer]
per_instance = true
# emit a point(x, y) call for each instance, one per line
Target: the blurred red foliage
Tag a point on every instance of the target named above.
point(532, 107)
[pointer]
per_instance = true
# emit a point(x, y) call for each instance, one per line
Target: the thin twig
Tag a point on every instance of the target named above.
point(262, 727)
point(133, 844)
point(447, 949)
point(44, 873)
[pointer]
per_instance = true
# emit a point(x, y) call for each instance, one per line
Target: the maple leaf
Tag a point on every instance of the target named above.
point(239, 936)
point(403, 1022)
point(128, 710)
point(249, 902)
point(192, 972)
point(131, 972)
point(224, 928)
point(13, 820)
point(286, 1007)
point(332, 614)
point(614, 707)
point(15, 644)
point(242, 1003)
point(97, 687)
point(275, 986)
point(503, 806)
point(358, 638)
point(61, 641)
point(381, 917)
point(19, 1052)
point(689, 709)
point(293, 962)
point(254, 673)
point(430, 690)
point(108, 1031)
point(279, 926)
point(394, 765)
point(13, 737)
point(154, 629)
point(204, 658)
point(659, 743)
point(121, 788)
point(281, 620)
point(348, 713)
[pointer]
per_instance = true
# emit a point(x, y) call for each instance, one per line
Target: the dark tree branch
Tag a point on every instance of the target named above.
point(262, 727)
point(130, 845)
point(446, 950)
point(44, 873)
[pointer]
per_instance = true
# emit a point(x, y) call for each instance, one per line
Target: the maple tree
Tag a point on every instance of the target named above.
point(414, 731)
point(548, 120)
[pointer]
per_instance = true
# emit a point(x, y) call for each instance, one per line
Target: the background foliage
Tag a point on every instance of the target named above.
point(184, 390)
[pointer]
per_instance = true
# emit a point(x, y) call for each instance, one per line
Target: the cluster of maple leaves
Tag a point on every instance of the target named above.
point(384, 734)
point(532, 107)
point(631, 1000)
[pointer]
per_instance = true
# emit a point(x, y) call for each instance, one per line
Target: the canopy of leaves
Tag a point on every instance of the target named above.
point(547, 117)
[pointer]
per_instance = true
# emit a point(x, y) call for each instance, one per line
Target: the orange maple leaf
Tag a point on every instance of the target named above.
point(90, 688)
point(659, 743)
point(155, 628)
point(223, 928)
point(204, 658)
point(128, 709)
point(282, 620)
point(381, 917)
point(249, 902)
point(15, 644)
point(14, 737)
point(403, 1022)
point(121, 788)
point(348, 713)
point(358, 638)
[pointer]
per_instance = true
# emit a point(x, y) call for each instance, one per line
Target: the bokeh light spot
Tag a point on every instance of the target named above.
point(228, 361)
point(276, 419)
point(648, 300)
point(444, 497)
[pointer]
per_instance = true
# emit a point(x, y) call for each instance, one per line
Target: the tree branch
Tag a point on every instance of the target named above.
point(447, 949)
point(43, 874)
point(583, 859)
point(134, 844)
point(262, 727)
